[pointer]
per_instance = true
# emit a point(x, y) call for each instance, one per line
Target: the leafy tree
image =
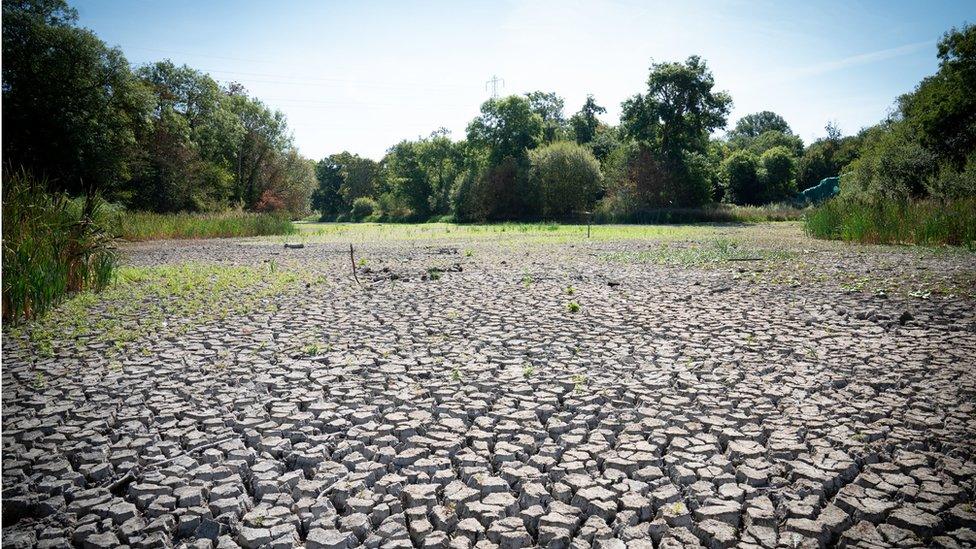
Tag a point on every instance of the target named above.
point(585, 122)
point(264, 134)
point(893, 164)
point(679, 109)
point(442, 160)
point(827, 157)
point(942, 110)
point(407, 178)
point(72, 110)
point(211, 124)
point(567, 176)
point(671, 122)
point(327, 199)
point(549, 106)
point(507, 127)
point(359, 176)
point(778, 174)
point(291, 180)
point(606, 142)
point(506, 130)
point(756, 124)
point(767, 140)
point(743, 185)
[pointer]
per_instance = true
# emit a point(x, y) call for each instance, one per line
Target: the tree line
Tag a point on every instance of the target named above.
point(169, 138)
point(159, 137)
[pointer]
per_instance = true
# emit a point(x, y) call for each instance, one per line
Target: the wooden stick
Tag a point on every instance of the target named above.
point(352, 260)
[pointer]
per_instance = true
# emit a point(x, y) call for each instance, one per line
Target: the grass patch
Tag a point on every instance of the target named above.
point(52, 246)
point(713, 213)
point(697, 254)
point(926, 222)
point(155, 226)
point(155, 301)
point(499, 232)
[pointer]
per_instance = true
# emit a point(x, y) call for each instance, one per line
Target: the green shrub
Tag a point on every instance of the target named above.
point(741, 171)
point(362, 208)
point(52, 246)
point(893, 166)
point(885, 221)
point(778, 174)
point(567, 177)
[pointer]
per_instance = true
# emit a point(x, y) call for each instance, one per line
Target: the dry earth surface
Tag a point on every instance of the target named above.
point(716, 386)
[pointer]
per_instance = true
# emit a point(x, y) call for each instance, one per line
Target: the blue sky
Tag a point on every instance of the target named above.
point(360, 76)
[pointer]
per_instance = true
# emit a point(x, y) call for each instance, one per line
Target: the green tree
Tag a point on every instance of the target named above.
point(72, 110)
point(506, 130)
point(828, 157)
point(756, 124)
point(585, 122)
point(894, 164)
point(741, 172)
point(671, 124)
point(327, 198)
point(549, 106)
point(778, 174)
point(359, 177)
point(407, 179)
point(290, 181)
point(679, 109)
point(567, 176)
point(942, 110)
point(264, 134)
point(442, 160)
point(507, 127)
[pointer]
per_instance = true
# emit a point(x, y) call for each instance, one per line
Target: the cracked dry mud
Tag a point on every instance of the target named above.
point(467, 406)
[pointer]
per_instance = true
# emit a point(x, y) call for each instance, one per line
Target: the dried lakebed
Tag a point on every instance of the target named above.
point(732, 389)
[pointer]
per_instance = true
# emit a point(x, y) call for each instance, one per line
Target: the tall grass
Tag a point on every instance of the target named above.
point(155, 226)
point(713, 213)
point(52, 246)
point(928, 222)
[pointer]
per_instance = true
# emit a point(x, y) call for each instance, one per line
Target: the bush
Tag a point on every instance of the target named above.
point(567, 177)
point(778, 173)
point(269, 202)
point(52, 246)
point(893, 166)
point(741, 171)
point(362, 208)
point(886, 221)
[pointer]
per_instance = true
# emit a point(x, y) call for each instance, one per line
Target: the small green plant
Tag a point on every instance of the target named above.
point(273, 266)
point(573, 307)
point(527, 280)
point(678, 508)
point(456, 374)
point(434, 273)
point(311, 349)
point(527, 371)
point(579, 383)
point(570, 290)
point(40, 382)
point(468, 253)
point(362, 262)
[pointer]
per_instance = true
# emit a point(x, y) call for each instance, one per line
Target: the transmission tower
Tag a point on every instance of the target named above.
point(494, 82)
